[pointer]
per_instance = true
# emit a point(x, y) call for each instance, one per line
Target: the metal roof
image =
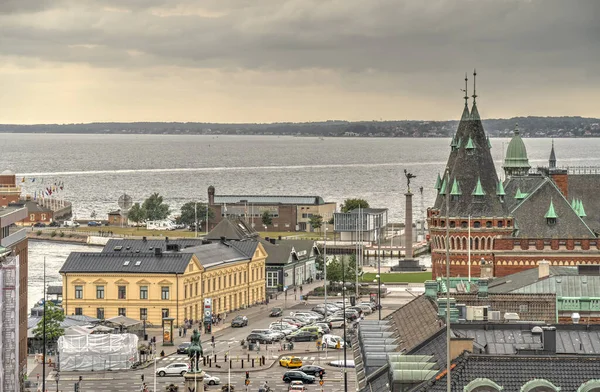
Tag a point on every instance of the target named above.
point(133, 245)
point(565, 286)
point(259, 199)
point(127, 263)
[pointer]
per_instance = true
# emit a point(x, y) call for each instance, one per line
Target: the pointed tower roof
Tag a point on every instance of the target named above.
point(581, 211)
point(520, 195)
point(438, 182)
point(573, 203)
point(465, 114)
point(478, 191)
point(516, 161)
point(552, 160)
point(470, 145)
point(489, 143)
point(443, 187)
point(551, 213)
point(474, 111)
point(455, 191)
point(500, 189)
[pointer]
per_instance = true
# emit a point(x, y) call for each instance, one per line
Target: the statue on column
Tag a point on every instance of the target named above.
point(195, 352)
point(408, 177)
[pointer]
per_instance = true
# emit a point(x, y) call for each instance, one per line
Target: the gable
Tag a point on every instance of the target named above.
point(165, 282)
point(122, 281)
point(100, 281)
point(143, 282)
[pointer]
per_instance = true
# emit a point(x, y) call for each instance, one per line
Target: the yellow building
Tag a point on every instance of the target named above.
point(153, 279)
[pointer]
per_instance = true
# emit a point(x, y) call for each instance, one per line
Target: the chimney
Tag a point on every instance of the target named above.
point(487, 269)
point(431, 289)
point(267, 239)
point(549, 339)
point(273, 241)
point(223, 239)
point(158, 251)
point(166, 239)
point(561, 179)
point(543, 269)
point(460, 345)
point(575, 317)
point(144, 239)
point(483, 288)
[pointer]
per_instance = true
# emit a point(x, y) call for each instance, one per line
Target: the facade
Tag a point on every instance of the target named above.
point(288, 213)
point(153, 279)
point(10, 192)
point(549, 214)
point(369, 221)
point(116, 219)
point(37, 213)
point(14, 265)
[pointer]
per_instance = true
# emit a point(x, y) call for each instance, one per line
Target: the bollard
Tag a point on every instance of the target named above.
point(215, 358)
point(225, 358)
point(252, 362)
point(209, 362)
point(203, 361)
point(248, 357)
point(242, 363)
point(230, 364)
point(263, 360)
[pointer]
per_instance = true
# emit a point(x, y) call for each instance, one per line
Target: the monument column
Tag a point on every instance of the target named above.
point(408, 228)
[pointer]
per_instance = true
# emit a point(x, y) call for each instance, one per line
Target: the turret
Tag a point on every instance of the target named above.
point(516, 162)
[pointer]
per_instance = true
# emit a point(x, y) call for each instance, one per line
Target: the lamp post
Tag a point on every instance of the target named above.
point(378, 281)
point(144, 317)
point(325, 270)
point(345, 341)
point(57, 380)
point(196, 219)
point(448, 357)
point(379, 270)
point(44, 333)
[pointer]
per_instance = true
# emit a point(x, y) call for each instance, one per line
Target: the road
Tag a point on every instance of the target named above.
point(226, 341)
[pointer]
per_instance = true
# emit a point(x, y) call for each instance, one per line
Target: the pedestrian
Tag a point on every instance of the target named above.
point(184, 331)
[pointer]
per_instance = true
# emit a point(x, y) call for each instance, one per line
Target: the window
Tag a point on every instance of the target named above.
point(476, 224)
point(523, 308)
point(143, 313)
point(122, 312)
point(32, 217)
point(165, 313)
point(185, 291)
point(500, 224)
point(164, 293)
point(214, 285)
point(100, 313)
point(235, 279)
point(488, 224)
point(196, 288)
point(43, 217)
point(272, 278)
point(143, 292)
point(452, 224)
point(551, 221)
point(78, 311)
point(78, 292)
point(122, 290)
point(229, 280)
point(99, 292)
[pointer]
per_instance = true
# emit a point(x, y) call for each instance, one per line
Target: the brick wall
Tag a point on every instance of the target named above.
point(286, 221)
point(562, 182)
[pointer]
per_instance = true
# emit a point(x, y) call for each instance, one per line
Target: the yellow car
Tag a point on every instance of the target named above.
point(290, 362)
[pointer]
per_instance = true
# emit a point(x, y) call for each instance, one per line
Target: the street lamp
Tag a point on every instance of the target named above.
point(144, 317)
point(325, 270)
point(344, 310)
point(378, 280)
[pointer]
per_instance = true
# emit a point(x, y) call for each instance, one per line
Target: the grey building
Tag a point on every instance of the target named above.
point(370, 221)
point(290, 263)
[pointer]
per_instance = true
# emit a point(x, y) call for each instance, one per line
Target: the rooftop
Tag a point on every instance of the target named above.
point(265, 199)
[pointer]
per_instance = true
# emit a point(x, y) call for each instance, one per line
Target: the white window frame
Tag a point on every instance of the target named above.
point(272, 277)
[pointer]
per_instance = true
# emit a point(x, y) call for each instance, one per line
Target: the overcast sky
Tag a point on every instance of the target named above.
point(295, 60)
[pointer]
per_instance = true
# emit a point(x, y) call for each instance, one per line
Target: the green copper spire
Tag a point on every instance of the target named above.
point(573, 203)
point(443, 187)
point(581, 211)
point(455, 188)
point(453, 142)
point(500, 189)
point(519, 195)
point(470, 144)
point(478, 191)
point(488, 142)
point(438, 182)
point(551, 214)
point(516, 162)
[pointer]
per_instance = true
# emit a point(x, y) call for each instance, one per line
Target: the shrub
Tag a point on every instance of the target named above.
point(53, 234)
point(62, 234)
point(39, 232)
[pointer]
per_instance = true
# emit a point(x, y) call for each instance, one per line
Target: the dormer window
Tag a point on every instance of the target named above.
point(551, 216)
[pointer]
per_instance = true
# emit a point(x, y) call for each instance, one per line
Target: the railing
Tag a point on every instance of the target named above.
point(583, 169)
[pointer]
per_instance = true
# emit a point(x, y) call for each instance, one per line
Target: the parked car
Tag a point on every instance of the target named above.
point(283, 325)
point(286, 330)
point(331, 341)
point(324, 327)
point(313, 328)
point(54, 224)
point(292, 321)
point(303, 336)
point(372, 305)
point(336, 322)
point(93, 223)
point(276, 312)
point(39, 224)
point(290, 362)
point(183, 348)
point(177, 368)
point(239, 321)
point(259, 337)
point(295, 375)
point(312, 370)
point(275, 335)
point(211, 380)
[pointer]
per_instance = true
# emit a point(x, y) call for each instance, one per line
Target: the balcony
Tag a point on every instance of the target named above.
point(17, 234)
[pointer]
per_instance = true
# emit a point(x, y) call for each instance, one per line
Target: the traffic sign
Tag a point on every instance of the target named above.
point(321, 382)
point(247, 382)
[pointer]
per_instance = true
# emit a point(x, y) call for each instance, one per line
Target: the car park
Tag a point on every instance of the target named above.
point(290, 362)
point(295, 375)
point(276, 312)
point(280, 328)
point(275, 335)
point(372, 305)
point(295, 322)
point(303, 336)
point(239, 321)
point(211, 380)
point(177, 368)
point(313, 328)
point(183, 348)
point(312, 370)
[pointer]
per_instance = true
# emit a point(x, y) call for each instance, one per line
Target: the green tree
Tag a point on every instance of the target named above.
point(351, 204)
point(155, 208)
point(334, 269)
point(136, 214)
point(316, 221)
point(53, 316)
point(188, 215)
point(266, 218)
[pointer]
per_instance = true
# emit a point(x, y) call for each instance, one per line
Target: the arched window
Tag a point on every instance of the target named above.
point(476, 224)
point(539, 385)
point(488, 224)
point(590, 386)
point(464, 241)
point(443, 223)
point(476, 247)
point(482, 385)
point(452, 224)
point(464, 224)
point(500, 224)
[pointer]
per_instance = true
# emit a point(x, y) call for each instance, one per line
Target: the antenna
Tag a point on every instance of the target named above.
point(474, 85)
point(465, 90)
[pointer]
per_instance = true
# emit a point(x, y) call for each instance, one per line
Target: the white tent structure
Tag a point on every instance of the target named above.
point(97, 352)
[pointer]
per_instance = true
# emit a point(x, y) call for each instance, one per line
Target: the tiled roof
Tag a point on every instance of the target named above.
point(539, 307)
point(109, 262)
point(565, 286)
point(435, 346)
point(530, 215)
point(231, 229)
point(133, 245)
point(259, 199)
point(512, 372)
point(510, 283)
point(415, 322)
point(585, 187)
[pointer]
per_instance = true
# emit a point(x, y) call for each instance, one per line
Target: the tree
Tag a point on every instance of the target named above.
point(136, 214)
point(53, 316)
point(188, 215)
point(266, 218)
point(334, 269)
point(351, 204)
point(155, 208)
point(316, 221)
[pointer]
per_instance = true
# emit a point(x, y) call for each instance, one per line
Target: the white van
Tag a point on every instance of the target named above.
point(70, 223)
point(331, 341)
point(165, 224)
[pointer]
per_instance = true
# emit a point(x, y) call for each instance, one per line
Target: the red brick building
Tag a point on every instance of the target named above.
point(10, 192)
point(514, 223)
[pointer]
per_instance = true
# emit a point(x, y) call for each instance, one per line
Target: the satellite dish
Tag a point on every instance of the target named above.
point(125, 202)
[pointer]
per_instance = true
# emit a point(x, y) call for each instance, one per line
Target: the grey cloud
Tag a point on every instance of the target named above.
point(350, 35)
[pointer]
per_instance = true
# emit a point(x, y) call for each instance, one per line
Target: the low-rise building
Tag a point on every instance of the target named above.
point(154, 279)
point(363, 223)
point(10, 192)
point(115, 218)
